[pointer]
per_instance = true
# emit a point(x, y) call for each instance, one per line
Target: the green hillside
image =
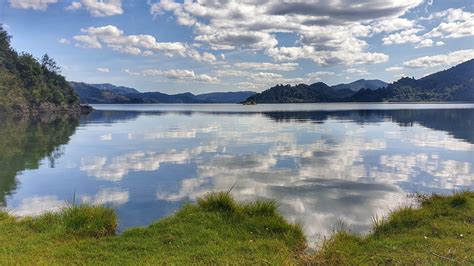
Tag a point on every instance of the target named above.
point(29, 85)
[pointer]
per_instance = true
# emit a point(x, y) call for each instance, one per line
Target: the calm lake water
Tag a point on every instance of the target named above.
point(324, 163)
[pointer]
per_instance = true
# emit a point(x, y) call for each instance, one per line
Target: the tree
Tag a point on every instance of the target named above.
point(49, 64)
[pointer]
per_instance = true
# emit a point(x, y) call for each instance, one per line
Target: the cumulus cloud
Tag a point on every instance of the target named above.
point(103, 69)
point(32, 4)
point(328, 32)
point(176, 74)
point(357, 71)
point(99, 8)
point(64, 41)
point(457, 23)
point(317, 75)
point(142, 44)
point(265, 66)
point(394, 69)
point(406, 36)
point(441, 59)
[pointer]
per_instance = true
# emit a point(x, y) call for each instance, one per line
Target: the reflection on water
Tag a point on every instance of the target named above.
point(323, 166)
point(24, 142)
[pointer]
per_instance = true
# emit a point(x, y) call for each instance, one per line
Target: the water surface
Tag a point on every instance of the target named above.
point(324, 163)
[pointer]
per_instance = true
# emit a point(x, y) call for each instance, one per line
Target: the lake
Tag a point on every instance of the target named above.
point(325, 164)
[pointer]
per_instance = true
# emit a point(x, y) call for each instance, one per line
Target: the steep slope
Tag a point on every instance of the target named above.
point(31, 86)
point(357, 85)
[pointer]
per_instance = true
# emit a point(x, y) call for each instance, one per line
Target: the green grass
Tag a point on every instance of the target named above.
point(215, 230)
point(440, 231)
point(219, 230)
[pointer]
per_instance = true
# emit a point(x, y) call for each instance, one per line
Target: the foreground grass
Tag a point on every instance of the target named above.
point(440, 231)
point(215, 230)
point(218, 230)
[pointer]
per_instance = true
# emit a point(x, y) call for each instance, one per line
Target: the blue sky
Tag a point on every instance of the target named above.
point(211, 45)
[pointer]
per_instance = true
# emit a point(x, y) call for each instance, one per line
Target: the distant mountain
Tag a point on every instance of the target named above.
point(108, 93)
point(454, 84)
point(158, 97)
point(357, 85)
point(117, 89)
point(225, 97)
point(88, 93)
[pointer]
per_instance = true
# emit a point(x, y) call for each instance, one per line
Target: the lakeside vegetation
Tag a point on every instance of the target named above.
point(29, 85)
point(217, 229)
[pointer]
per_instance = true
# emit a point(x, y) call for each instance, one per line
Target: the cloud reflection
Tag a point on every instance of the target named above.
point(38, 205)
point(107, 196)
point(320, 173)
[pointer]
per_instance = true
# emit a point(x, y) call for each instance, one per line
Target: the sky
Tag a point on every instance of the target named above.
point(226, 45)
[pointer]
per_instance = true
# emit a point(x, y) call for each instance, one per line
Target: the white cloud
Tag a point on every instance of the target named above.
point(103, 69)
point(32, 4)
point(99, 8)
point(317, 75)
point(406, 36)
point(456, 24)
point(64, 41)
point(265, 66)
point(176, 74)
point(441, 59)
point(328, 32)
point(393, 24)
point(145, 45)
point(394, 69)
point(357, 71)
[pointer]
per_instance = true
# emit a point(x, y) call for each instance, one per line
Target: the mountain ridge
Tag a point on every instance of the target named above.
point(108, 93)
point(453, 84)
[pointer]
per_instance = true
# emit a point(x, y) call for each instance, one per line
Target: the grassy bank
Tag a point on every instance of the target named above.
point(215, 230)
point(219, 230)
point(440, 231)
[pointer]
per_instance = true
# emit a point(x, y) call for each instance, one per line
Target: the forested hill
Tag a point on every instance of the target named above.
point(357, 85)
point(28, 85)
point(454, 84)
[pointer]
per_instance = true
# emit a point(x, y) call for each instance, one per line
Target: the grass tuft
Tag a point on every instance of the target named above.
point(219, 201)
point(261, 208)
point(86, 220)
point(402, 219)
point(458, 200)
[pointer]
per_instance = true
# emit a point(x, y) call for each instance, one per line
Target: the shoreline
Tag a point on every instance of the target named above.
point(217, 229)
